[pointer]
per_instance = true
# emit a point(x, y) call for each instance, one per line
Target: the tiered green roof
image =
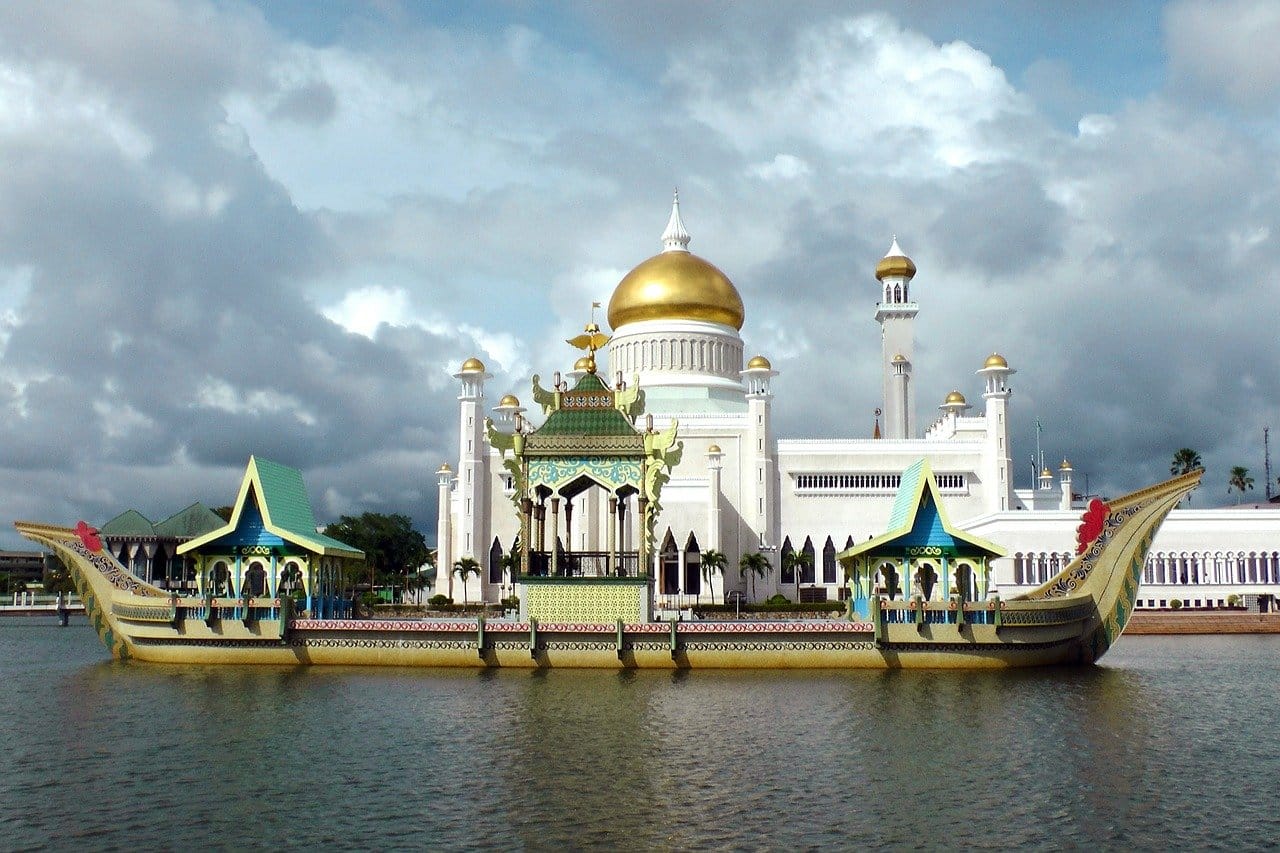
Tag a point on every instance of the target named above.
point(592, 419)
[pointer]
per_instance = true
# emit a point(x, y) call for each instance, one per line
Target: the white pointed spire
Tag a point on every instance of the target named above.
point(675, 238)
point(895, 251)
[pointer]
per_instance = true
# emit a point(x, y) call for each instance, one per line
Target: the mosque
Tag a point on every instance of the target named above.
point(677, 367)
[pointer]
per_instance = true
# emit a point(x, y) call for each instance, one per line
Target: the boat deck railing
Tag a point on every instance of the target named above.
point(953, 611)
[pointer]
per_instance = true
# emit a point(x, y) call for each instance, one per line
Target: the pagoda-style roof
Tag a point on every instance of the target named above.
point(918, 520)
point(272, 505)
point(587, 420)
point(129, 524)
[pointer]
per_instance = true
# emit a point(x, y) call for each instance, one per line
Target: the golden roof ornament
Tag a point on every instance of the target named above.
point(590, 340)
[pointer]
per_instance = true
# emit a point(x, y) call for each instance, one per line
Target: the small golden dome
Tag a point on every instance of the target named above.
point(895, 263)
point(445, 469)
point(676, 285)
point(899, 358)
point(1065, 466)
point(759, 362)
point(510, 400)
point(715, 448)
point(995, 360)
point(472, 365)
point(1045, 472)
point(954, 397)
point(581, 364)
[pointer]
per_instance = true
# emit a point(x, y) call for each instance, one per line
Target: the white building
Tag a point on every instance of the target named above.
point(740, 488)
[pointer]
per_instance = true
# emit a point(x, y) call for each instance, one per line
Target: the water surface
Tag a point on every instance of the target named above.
point(1170, 742)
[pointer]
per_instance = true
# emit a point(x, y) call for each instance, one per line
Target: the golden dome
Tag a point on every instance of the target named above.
point(995, 360)
point(1065, 466)
point(472, 365)
point(955, 397)
point(676, 285)
point(715, 448)
point(581, 364)
point(895, 263)
point(509, 400)
point(445, 469)
point(1045, 472)
point(759, 362)
point(899, 358)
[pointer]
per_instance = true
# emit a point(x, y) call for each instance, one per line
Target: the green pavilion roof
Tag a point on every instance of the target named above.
point(195, 520)
point(281, 499)
point(129, 523)
point(587, 410)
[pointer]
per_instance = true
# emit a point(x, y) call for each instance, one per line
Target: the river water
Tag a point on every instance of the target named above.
point(1170, 742)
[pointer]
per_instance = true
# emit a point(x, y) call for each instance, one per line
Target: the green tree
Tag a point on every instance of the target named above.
point(462, 568)
point(1184, 461)
point(713, 563)
point(392, 548)
point(754, 565)
point(57, 578)
point(1239, 481)
point(796, 562)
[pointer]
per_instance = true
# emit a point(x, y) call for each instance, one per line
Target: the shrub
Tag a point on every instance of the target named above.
point(777, 599)
point(1233, 600)
point(1176, 604)
point(439, 602)
point(512, 603)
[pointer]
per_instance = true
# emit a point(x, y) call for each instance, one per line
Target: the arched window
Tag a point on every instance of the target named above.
point(495, 561)
point(669, 563)
point(692, 566)
point(926, 579)
point(829, 562)
point(219, 579)
point(966, 584)
point(807, 571)
point(886, 581)
point(255, 580)
point(788, 574)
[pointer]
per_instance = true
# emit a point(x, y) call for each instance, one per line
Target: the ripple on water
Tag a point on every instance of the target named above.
point(1168, 743)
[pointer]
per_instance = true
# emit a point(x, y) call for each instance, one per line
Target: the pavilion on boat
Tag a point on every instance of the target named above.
point(587, 452)
point(921, 556)
point(270, 549)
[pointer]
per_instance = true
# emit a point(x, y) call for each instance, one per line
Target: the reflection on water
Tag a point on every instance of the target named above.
point(1168, 743)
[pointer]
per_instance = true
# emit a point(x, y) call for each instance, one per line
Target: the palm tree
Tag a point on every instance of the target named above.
point(1185, 461)
point(713, 562)
point(1240, 481)
point(754, 565)
point(462, 568)
point(796, 562)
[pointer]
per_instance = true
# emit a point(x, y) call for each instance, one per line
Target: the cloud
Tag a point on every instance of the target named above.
point(1226, 48)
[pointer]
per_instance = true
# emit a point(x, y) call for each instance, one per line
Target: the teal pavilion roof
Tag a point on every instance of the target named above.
point(918, 519)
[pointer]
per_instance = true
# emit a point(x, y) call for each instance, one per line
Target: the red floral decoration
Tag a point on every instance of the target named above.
point(1091, 525)
point(89, 536)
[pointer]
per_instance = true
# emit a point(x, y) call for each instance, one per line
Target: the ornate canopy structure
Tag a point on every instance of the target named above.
point(587, 444)
point(921, 554)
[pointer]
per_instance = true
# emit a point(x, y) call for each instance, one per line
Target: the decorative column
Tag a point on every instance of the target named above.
point(714, 496)
point(1064, 479)
point(555, 523)
point(896, 313)
point(997, 461)
point(611, 565)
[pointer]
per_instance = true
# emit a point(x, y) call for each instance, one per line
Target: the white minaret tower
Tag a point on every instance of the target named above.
point(1064, 480)
point(896, 314)
point(997, 460)
point(472, 539)
point(761, 511)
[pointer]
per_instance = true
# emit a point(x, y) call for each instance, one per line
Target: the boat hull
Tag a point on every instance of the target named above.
point(1073, 619)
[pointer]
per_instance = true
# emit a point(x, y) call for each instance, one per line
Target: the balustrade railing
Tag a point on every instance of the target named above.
point(585, 564)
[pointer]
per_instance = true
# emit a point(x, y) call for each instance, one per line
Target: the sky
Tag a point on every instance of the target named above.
point(230, 228)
